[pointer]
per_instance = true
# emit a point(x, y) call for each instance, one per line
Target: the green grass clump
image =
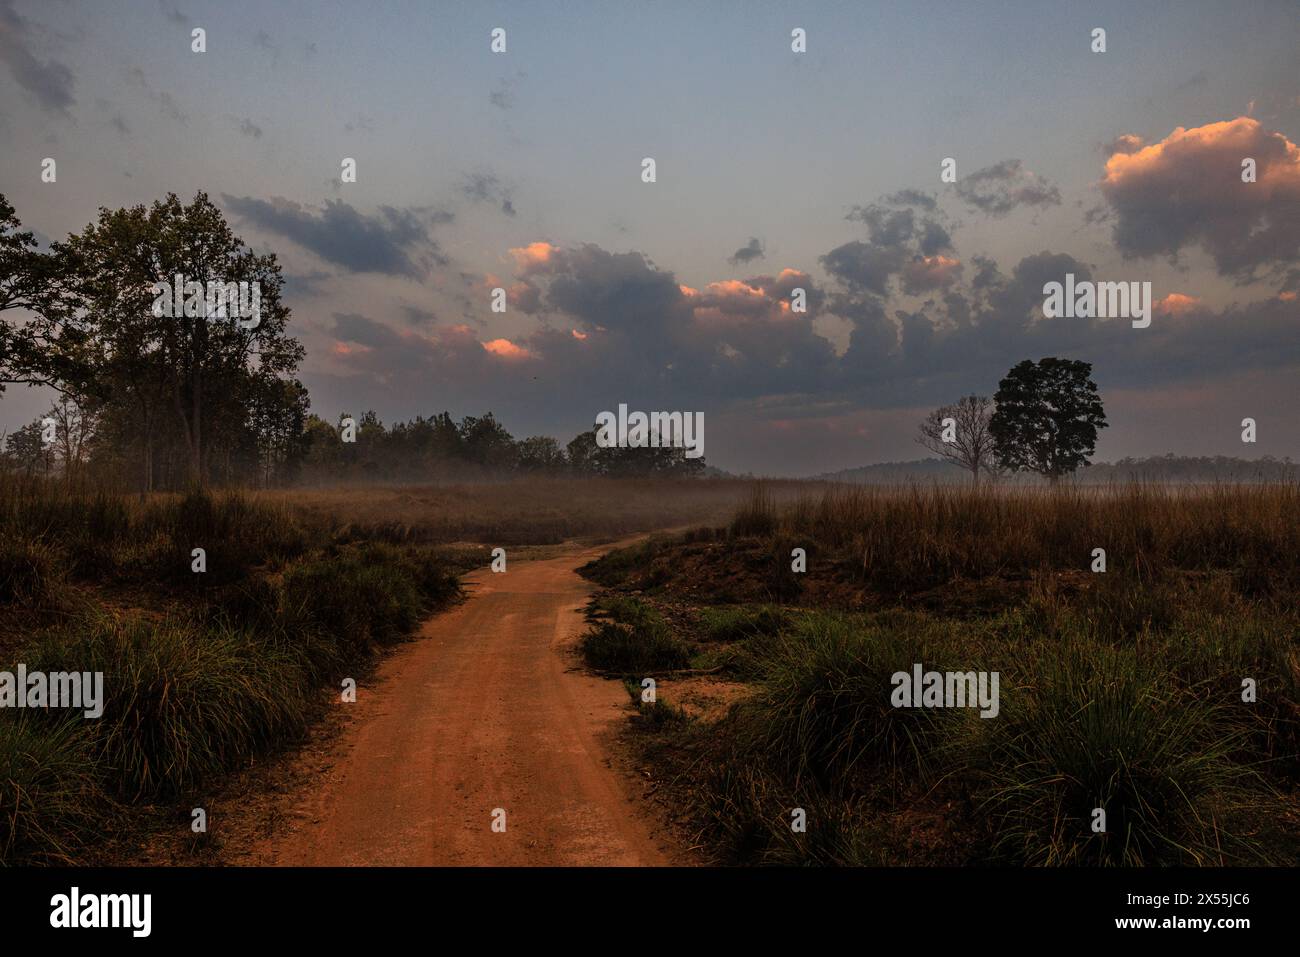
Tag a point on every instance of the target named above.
point(1152, 729)
point(616, 566)
point(1101, 729)
point(346, 605)
point(30, 572)
point(739, 622)
point(49, 790)
point(824, 709)
point(636, 642)
point(180, 703)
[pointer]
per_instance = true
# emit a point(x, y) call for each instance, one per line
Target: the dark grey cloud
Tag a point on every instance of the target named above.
point(393, 241)
point(1004, 186)
point(864, 266)
point(305, 284)
point(912, 197)
point(525, 297)
point(48, 81)
point(415, 316)
point(617, 291)
point(887, 227)
point(747, 253)
point(900, 243)
point(933, 239)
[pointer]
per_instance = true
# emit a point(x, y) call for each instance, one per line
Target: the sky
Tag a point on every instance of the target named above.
point(774, 170)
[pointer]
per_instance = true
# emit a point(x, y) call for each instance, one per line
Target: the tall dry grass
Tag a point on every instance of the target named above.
point(921, 535)
point(1122, 691)
point(526, 511)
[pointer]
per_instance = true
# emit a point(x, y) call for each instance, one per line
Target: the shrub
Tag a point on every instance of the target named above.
point(1102, 730)
point(824, 710)
point(49, 790)
point(180, 702)
point(637, 642)
point(30, 572)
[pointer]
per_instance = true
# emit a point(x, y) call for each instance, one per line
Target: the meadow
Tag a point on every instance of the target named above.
point(208, 672)
point(1123, 689)
point(1164, 690)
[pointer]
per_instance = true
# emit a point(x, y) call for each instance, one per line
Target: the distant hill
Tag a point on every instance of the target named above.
point(1156, 468)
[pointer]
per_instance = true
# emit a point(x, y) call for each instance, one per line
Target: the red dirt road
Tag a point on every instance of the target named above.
point(486, 710)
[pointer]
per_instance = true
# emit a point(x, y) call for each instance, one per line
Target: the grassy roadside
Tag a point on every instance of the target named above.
point(202, 672)
point(1120, 690)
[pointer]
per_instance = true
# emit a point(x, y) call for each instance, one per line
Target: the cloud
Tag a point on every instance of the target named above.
point(305, 284)
point(49, 82)
point(115, 118)
point(864, 266)
point(534, 257)
point(484, 187)
point(525, 297)
point(912, 197)
point(161, 98)
point(505, 349)
point(1186, 190)
point(503, 96)
point(618, 325)
point(173, 13)
point(747, 253)
point(263, 41)
point(926, 273)
point(897, 239)
point(393, 241)
point(1176, 304)
point(416, 316)
point(1125, 143)
point(1000, 188)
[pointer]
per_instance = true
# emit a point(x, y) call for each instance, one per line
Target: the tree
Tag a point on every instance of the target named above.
point(966, 438)
point(24, 286)
point(74, 432)
point(586, 457)
point(486, 443)
point(187, 382)
point(1047, 417)
point(581, 453)
point(27, 449)
point(540, 453)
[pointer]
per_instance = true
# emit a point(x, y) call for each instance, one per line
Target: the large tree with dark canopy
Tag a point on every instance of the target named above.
point(192, 389)
point(1048, 414)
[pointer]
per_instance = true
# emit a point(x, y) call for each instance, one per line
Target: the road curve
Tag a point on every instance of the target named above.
point(486, 710)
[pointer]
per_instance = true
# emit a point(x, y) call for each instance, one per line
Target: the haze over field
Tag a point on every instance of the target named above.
point(774, 170)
